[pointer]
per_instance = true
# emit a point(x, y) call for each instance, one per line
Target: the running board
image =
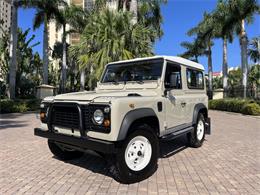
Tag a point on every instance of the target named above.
point(177, 134)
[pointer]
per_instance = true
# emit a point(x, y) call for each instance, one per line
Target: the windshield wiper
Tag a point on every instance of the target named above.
point(139, 81)
point(115, 82)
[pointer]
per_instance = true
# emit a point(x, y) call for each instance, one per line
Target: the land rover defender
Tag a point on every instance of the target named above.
point(136, 104)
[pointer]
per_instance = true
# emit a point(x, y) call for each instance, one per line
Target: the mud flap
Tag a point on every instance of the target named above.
point(208, 126)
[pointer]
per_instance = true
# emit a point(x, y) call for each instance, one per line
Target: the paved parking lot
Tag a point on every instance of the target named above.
point(227, 163)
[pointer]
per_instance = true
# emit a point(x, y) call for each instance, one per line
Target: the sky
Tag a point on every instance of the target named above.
point(179, 16)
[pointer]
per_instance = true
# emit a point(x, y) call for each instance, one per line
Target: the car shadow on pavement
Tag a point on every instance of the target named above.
point(105, 164)
point(172, 147)
point(93, 162)
point(7, 124)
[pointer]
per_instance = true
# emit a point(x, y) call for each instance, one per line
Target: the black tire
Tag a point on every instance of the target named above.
point(122, 172)
point(63, 154)
point(193, 139)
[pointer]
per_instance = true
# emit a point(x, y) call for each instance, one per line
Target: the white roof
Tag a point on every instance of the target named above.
point(176, 59)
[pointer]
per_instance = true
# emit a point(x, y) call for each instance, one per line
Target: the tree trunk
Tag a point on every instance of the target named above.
point(13, 49)
point(64, 61)
point(196, 59)
point(225, 67)
point(210, 70)
point(244, 62)
point(82, 80)
point(72, 77)
point(134, 9)
point(45, 51)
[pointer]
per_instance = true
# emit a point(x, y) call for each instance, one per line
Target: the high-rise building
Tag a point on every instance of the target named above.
point(56, 35)
point(73, 38)
point(5, 16)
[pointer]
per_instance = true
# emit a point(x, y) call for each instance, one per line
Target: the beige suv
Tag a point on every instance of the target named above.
point(136, 104)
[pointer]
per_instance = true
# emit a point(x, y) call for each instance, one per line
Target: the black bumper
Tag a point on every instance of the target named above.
point(208, 126)
point(78, 142)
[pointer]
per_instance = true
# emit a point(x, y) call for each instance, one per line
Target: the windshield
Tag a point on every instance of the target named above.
point(147, 70)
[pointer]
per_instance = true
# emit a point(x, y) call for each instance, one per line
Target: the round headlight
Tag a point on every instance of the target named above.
point(98, 116)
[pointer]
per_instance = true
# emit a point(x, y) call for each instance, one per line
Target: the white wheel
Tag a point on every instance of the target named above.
point(138, 153)
point(200, 130)
point(196, 137)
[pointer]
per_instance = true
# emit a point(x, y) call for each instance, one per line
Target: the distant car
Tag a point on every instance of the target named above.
point(136, 104)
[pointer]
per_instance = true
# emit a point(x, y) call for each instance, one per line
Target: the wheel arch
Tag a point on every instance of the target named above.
point(138, 116)
point(199, 108)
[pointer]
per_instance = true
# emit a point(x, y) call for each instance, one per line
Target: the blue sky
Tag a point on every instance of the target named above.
point(179, 17)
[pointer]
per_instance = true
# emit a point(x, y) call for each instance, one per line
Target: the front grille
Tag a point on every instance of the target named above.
point(65, 116)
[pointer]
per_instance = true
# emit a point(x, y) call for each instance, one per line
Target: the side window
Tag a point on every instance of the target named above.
point(195, 79)
point(173, 76)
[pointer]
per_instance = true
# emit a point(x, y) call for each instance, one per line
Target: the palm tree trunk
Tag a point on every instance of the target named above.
point(196, 58)
point(82, 80)
point(210, 70)
point(72, 77)
point(45, 51)
point(13, 48)
point(133, 9)
point(244, 62)
point(225, 67)
point(64, 61)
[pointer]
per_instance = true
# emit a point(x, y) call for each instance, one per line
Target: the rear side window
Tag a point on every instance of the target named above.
point(195, 79)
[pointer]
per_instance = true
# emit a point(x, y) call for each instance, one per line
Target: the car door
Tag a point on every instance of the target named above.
point(175, 103)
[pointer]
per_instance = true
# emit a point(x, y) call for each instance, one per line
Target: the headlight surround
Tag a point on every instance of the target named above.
point(98, 117)
point(44, 108)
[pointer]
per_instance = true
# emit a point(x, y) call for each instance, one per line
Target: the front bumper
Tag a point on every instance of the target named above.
point(83, 143)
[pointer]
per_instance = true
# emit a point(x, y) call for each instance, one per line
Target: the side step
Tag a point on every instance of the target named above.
point(176, 134)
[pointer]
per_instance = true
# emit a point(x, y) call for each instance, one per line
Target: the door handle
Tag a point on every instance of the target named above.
point(183, 104)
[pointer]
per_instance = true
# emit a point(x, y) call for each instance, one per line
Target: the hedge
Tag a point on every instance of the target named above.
point(11, 106)
point(249, 107)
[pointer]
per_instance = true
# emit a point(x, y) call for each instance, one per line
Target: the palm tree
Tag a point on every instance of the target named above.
point(13, 50)
point(68, 15)
point(242, 11)
point(193, 49)
point(147, 13)
point(111, 36)
point(225, 32)
point(254, 51)
point(4, 54)
point(47, 10)
point(205, 31)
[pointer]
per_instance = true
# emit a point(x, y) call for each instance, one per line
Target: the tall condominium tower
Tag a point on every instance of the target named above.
point(5, 16)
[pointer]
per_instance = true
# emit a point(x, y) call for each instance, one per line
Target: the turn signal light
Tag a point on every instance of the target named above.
point(106, 123)
point(42, 115)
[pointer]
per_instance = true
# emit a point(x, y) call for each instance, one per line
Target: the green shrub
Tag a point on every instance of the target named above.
point(11, 106)
point(251, 109)
point(235, 105)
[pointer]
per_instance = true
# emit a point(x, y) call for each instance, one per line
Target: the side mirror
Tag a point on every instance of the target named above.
point(165, 93)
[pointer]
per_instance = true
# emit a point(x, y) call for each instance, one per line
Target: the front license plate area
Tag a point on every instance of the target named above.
point(67, 131)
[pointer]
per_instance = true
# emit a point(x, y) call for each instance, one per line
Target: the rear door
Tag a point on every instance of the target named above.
point(195, 92)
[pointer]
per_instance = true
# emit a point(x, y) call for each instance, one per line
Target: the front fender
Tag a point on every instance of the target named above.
point(130, 117)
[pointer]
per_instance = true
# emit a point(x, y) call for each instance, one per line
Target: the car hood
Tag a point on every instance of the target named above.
point(95, 95)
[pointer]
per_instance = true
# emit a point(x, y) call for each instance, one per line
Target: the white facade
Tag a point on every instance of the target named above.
point(56, 36)
point(5, 16)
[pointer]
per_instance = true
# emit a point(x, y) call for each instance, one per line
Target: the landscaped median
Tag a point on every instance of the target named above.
point(19, 105)
point(249, 107)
